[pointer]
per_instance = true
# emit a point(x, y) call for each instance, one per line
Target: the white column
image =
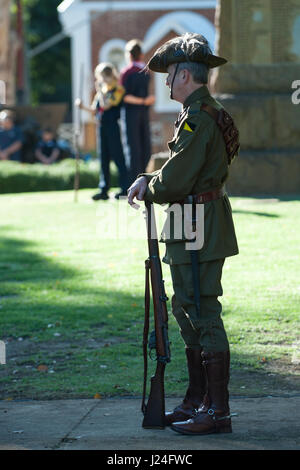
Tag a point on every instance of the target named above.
point(76, 24)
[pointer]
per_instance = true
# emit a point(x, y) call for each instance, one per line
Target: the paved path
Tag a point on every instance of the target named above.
point(268, 423)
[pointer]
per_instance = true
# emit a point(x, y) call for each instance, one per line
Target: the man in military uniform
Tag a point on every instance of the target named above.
point(204, 143)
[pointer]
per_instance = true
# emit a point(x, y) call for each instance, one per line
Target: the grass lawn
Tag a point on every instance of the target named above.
point(72, 298)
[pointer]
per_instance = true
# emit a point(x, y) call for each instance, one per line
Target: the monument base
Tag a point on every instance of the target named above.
point(255, 173)
point(264, 120)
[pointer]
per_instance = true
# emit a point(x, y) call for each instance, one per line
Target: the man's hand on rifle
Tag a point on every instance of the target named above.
point(137, 189)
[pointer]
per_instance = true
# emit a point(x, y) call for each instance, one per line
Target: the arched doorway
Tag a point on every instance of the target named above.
point(179, 22)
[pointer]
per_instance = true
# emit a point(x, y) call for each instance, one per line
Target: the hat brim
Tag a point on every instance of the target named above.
point(211, 61)
point(215, 61)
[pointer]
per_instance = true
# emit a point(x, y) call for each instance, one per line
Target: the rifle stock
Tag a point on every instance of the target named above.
point(154, 411)
point(154, 415)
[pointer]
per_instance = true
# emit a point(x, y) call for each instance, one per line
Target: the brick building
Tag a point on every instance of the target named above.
point(8, 50)
point(99, 31)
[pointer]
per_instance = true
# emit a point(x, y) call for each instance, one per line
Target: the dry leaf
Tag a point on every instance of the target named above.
point(42, 368)
point(263, 359)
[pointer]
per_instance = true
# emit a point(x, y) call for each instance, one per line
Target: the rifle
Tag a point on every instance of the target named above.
point(154, 411)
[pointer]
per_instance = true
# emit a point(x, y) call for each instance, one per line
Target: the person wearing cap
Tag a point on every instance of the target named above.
point(204, 143)
point(136, 104)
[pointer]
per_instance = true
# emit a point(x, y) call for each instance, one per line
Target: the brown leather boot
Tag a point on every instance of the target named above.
point(195, 392)
point(214, 415)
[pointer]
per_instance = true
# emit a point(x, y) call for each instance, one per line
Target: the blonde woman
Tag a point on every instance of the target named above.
point(106, 106)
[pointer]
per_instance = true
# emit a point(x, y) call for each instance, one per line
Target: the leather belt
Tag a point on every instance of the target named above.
point(202, 198)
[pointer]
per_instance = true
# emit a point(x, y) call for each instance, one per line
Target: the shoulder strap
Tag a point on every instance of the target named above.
point(228, 129)
point(210, 110)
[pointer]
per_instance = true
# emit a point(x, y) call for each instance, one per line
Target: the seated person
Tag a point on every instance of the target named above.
point(47, 150)
point(10, 138)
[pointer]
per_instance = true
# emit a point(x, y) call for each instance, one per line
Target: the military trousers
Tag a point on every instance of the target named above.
point(137, 139)
point(205, 331)
point(111, 149)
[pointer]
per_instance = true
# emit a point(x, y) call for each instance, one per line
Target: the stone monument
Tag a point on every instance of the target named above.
point(261, 40)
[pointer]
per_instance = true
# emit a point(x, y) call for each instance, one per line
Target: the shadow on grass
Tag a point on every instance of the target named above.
point(263, 214)
point(89, 326)
point(267, 197)
point(20, 263)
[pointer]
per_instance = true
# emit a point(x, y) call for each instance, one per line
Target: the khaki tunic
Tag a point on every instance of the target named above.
point(197, 164)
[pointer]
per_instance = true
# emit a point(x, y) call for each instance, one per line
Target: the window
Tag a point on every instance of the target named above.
point(163, 103)
point(178, 22)
point(113, 51)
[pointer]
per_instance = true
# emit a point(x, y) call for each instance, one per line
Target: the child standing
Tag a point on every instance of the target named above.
point(106, 106)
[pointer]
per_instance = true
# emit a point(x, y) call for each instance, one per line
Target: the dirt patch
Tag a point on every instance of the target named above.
point(277, 378)
point(20, 348)
point(24, 354)
point(270, 381)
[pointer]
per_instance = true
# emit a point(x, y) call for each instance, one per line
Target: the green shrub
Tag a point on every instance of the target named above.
point(23, 177)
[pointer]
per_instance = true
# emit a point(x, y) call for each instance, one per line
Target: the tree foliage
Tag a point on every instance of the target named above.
point(49, 72)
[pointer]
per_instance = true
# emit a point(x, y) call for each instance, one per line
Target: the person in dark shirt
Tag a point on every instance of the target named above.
point(47, 150)
point(106, 107)
point(136, 103)
point(10, 138)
